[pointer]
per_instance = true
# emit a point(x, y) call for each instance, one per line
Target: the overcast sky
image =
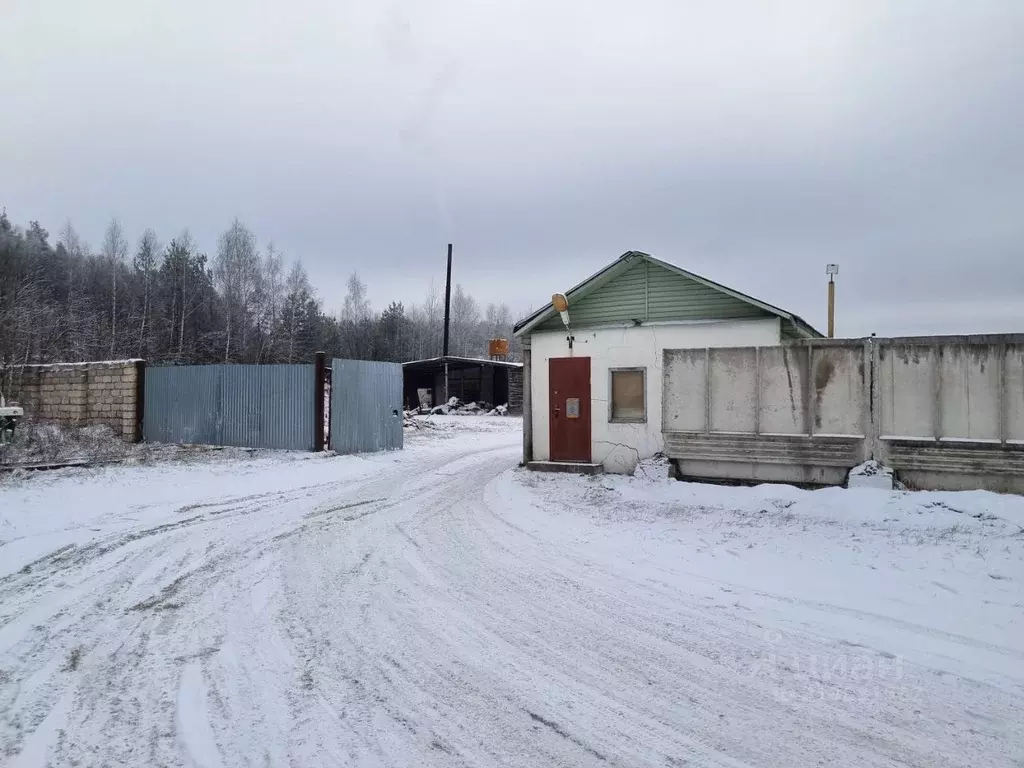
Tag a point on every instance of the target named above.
point(751, 142)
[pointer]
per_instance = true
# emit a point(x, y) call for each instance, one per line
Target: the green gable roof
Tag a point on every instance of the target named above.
point(639, 288)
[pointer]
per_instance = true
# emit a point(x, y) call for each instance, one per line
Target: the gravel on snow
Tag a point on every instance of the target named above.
point(440, 606)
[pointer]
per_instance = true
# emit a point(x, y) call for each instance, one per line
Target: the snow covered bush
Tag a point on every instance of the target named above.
point(46, 443)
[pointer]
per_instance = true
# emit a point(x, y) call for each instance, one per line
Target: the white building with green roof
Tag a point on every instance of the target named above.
point(592, 387)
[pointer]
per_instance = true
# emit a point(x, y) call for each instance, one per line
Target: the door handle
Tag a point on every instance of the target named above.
point(557, 411)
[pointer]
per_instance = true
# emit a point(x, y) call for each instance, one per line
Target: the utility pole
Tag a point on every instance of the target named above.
point(831, 270)
point(447, 319)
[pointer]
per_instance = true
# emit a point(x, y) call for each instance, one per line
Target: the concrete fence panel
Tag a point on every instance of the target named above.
point(784, 391)
point(732, 389)
point(838, 390)
point(909, 381)
point(684, 405)
point(945, 412)
point(1013, 393)
point(969, 396)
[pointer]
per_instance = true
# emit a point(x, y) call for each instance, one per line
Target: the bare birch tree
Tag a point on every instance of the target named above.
point(465, 319)
point(145, 267)
point(356, 307)
point(115, 249)
point(236, 271)
point(272, 286)
point(296, 308)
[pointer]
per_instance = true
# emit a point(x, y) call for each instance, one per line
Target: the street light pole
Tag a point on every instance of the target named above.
point(831, 270)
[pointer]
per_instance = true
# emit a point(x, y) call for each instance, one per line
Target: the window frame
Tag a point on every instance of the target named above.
point(612, 418)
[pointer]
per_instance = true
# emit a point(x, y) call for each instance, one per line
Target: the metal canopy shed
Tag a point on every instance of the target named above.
point(470, 379)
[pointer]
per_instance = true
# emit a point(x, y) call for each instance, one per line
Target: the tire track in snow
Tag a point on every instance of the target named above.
point(181, 575)
point(442, 614)
point(108, 569)
point(198, 741)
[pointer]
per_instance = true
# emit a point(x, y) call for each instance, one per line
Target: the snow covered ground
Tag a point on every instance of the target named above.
point(441, 607)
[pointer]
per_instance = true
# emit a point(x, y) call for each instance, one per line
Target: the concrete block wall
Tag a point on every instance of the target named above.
point(78, 394)
point(946, 412)
point(515, 390)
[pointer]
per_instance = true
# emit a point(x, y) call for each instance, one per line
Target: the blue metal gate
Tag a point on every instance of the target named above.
point(251, 406)
point(366, 406)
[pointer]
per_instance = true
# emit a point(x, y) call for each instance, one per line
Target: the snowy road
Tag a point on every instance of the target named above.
point(439, 607)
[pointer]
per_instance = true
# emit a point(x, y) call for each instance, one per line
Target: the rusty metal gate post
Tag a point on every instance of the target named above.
point(140, 399)
point(318, 401)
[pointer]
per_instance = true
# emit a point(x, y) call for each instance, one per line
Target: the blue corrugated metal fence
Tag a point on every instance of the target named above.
point(252, 406)
point(366, 406)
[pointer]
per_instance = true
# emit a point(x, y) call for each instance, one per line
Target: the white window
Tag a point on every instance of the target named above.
point(628, 401)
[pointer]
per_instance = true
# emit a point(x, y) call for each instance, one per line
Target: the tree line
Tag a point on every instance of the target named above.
point(170, 302)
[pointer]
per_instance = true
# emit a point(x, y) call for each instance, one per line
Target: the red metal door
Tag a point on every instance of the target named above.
point(569, 408)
